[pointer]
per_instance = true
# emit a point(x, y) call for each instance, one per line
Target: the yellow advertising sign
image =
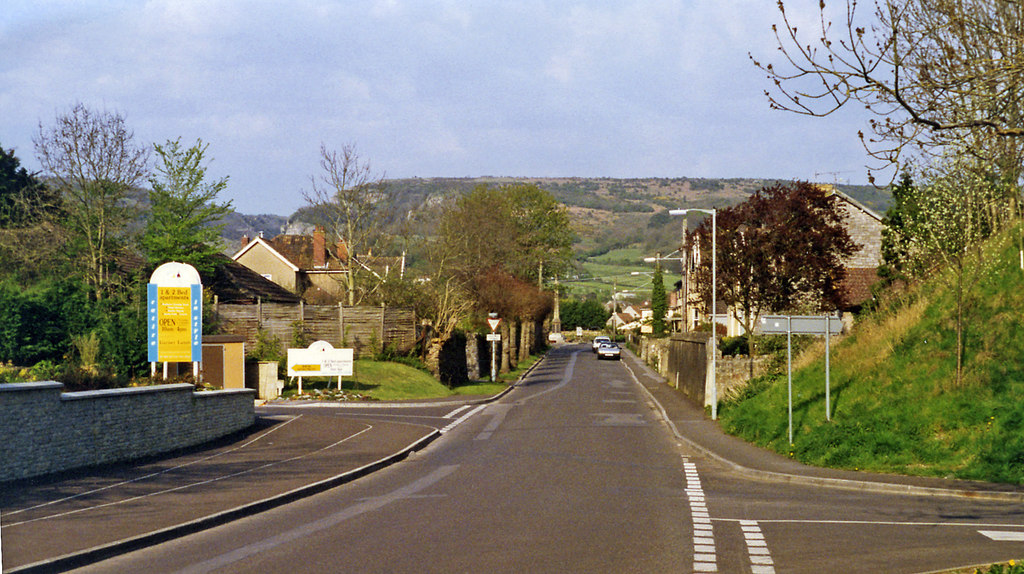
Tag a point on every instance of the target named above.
point(174, 324)
point(306, 368)
point(174, 314)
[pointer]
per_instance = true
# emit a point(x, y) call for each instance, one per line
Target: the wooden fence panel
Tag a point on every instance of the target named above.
point(341, 326)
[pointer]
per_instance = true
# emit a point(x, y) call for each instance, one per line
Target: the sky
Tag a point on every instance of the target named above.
point(424, 88)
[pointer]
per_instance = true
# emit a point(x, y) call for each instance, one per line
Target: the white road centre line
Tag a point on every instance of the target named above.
point(705, 559)
point(1003, 535)
point(760, 559)
point(462, 419)
point(452, 414)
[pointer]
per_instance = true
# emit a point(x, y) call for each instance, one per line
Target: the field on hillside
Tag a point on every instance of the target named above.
point(896, 404)
point(612, 271)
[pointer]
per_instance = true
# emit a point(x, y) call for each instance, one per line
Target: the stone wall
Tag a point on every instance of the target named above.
point(684, 360)
point(734, 373)
point(45, 431)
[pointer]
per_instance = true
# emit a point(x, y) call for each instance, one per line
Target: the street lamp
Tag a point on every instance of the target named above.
point(684, 296)
point(714, 302)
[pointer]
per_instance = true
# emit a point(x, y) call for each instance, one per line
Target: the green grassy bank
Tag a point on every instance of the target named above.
point(896, 405)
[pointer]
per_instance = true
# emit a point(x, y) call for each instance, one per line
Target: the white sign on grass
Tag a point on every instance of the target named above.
point(320, 360)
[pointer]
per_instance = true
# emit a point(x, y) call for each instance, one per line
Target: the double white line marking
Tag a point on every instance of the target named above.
point(461, 419)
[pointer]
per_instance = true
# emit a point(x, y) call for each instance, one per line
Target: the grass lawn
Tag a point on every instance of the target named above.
point(388, 381)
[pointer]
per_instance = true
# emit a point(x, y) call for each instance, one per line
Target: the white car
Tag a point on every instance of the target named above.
point(599, 340)
point(609, 351)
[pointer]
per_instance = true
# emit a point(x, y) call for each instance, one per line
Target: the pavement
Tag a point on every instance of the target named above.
point(65, 521)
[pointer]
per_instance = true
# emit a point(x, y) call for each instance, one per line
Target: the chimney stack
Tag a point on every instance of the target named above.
point(319, 248)
point(245, 241)
point(343, 251)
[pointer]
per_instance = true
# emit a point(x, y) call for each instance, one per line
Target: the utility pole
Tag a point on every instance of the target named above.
point(686, 276)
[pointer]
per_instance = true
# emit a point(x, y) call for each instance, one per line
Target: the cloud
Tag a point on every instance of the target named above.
point(438, 88)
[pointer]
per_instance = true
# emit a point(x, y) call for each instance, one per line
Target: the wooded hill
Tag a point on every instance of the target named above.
point(607, 213)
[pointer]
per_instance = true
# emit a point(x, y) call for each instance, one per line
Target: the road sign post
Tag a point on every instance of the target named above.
point(826, 325)
point(493, 321)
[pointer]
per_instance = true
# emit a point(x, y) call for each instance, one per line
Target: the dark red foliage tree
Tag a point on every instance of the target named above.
point(780, 250)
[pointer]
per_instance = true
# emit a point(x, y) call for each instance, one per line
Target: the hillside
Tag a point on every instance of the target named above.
point(617, 221)
point(896, 406)
point(609, 213)
point(600, 207)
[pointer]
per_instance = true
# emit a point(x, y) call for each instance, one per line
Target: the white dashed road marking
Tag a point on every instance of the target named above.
point(452, 414)
point(704, 557)
point(760, 559)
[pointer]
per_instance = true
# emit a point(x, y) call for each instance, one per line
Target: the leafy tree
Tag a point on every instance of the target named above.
point(589, 314)
point(37, 323)
point(780, 250)
point(936, 74)
point(123, 331)
point(30, 241)
point(23, 197)
point(543, 232)
point(184, 219)
point(476, 233)
point(898, 259)
point(93, 163)
point(493, 245)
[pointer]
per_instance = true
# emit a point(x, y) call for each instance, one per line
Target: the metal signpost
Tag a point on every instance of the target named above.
point(493, 321)
point(175, 316)
point(826, 325)
point(320, 359)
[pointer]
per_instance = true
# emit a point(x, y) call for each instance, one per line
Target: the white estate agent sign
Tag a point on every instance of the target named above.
point(320, 360)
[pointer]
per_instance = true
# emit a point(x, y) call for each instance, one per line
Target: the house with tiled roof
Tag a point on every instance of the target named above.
point(231, 282)
point(310, 267)
point(303, 264)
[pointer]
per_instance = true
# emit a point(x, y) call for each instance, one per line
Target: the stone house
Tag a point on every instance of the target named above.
point(865, 228)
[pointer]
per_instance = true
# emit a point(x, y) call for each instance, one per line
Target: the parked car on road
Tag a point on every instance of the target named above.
point(609, 351)
point(598, 340)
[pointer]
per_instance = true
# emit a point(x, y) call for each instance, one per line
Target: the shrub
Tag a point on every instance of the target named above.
point(733, 346)
point(267, 347)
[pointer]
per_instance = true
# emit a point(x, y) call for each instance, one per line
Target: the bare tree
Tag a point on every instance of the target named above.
point(934, 73)
point(94, 163)
point(354, 206)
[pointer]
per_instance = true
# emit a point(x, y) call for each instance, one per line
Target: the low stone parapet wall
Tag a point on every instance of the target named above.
point(44, 430)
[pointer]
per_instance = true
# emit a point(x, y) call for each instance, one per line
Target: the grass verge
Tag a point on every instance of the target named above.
point(896, 406)
point(389, 381)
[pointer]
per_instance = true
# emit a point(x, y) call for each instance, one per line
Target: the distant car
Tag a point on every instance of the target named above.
point(599, 340)
point(609, 351)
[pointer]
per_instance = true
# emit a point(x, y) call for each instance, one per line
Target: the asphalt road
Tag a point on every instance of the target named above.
point(590, 466)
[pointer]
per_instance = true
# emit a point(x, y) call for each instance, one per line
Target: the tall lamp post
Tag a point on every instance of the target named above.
point(714, 302)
